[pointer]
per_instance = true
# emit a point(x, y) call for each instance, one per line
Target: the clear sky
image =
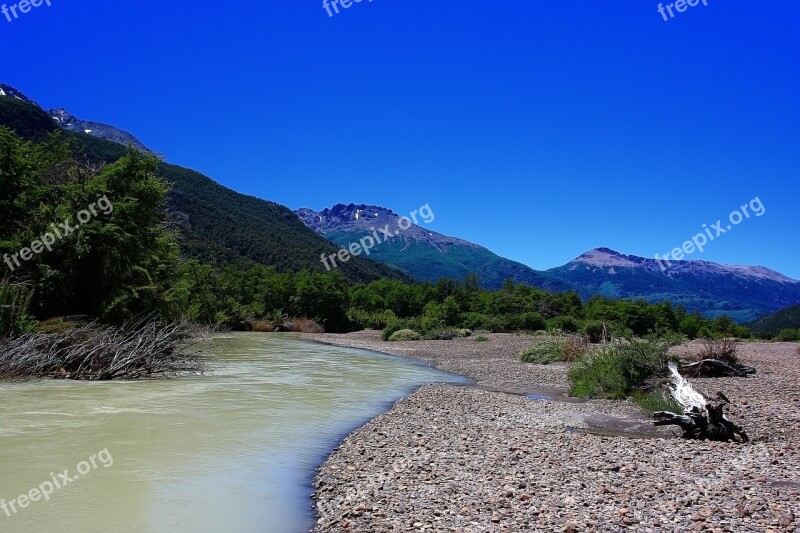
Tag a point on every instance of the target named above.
point(537, 129)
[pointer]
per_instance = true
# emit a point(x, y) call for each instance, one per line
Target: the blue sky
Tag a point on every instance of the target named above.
point(538, 129)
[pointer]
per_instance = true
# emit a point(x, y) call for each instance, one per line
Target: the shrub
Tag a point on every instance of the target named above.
point(304, 325)
point(365, 320)
point(474, 320)
point(404, 335)
point(446, 334)
point(788, 335)
point(441, 335)
point(566, 324)
point(15, 301)
point(723, 349)
point(574, 348)
point(654, 401)
point(614, 371)
point(398, 324)
point(531, 321)
point(481, 338)
point(597, 331)
point(263, 326)
point(55, 325)
point(495, 325)
point(544, 352)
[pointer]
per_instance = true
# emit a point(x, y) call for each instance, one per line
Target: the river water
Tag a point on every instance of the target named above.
point(230, 452)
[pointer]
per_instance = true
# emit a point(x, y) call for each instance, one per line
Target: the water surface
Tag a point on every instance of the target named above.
point(233, 452)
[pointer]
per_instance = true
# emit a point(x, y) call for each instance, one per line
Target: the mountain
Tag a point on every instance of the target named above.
point(423, 254)
point(788, 318)
point(217, 225)
point(744, 293)
point(96, 129)
point(72, 123)
point(741, 292)
point(8, 90)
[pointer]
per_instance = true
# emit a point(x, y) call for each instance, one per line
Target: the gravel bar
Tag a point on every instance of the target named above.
point(489, 457)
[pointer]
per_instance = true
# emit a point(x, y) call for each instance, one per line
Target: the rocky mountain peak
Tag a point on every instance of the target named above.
point(8, 90)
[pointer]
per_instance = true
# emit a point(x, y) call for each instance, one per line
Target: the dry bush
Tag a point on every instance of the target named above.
point(554, 349)
point(141, 349)
point(720, 350)
point(574, 349)
point(304, 325)
point(263, 326)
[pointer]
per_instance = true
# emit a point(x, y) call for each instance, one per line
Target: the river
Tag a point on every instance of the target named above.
point(233, 451)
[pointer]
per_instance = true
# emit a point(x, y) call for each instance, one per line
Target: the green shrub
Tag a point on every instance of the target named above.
point(597, 331)
point(446, 334)
point(15, 302)
point(441, 335)
point(654, 401)
point(474, 321)
point(366, 320)
point(398, 324)
point(567, 324)
point(481, 338)
point(494, 325)
point(405, 335)
point(615, 371)
point(531, 321)
point(788, 335)
point(546, 351)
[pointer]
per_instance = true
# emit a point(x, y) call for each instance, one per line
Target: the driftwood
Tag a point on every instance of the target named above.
point(708, 424)
point(703, 418)
point(715, 368)
point(145, 348)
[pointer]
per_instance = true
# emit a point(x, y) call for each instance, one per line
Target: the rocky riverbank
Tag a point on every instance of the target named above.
point(491, 458)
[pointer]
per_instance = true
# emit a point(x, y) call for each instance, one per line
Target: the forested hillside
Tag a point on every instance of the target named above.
point(216, 225)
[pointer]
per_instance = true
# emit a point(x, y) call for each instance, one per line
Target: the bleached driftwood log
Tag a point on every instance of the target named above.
point(703, 418)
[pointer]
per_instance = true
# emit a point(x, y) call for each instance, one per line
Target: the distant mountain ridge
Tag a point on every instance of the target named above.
point(8, 90)
point(70, 122)
point(419, 252)
point(743, 292)
point(96, 129)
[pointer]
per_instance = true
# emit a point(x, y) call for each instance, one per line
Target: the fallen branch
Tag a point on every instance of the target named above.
point(715, 368)
point(703, 419)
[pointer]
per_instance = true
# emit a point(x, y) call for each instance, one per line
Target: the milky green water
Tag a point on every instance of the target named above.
point(232, 452)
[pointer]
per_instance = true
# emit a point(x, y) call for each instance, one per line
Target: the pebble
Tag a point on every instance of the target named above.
point(475, 459)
